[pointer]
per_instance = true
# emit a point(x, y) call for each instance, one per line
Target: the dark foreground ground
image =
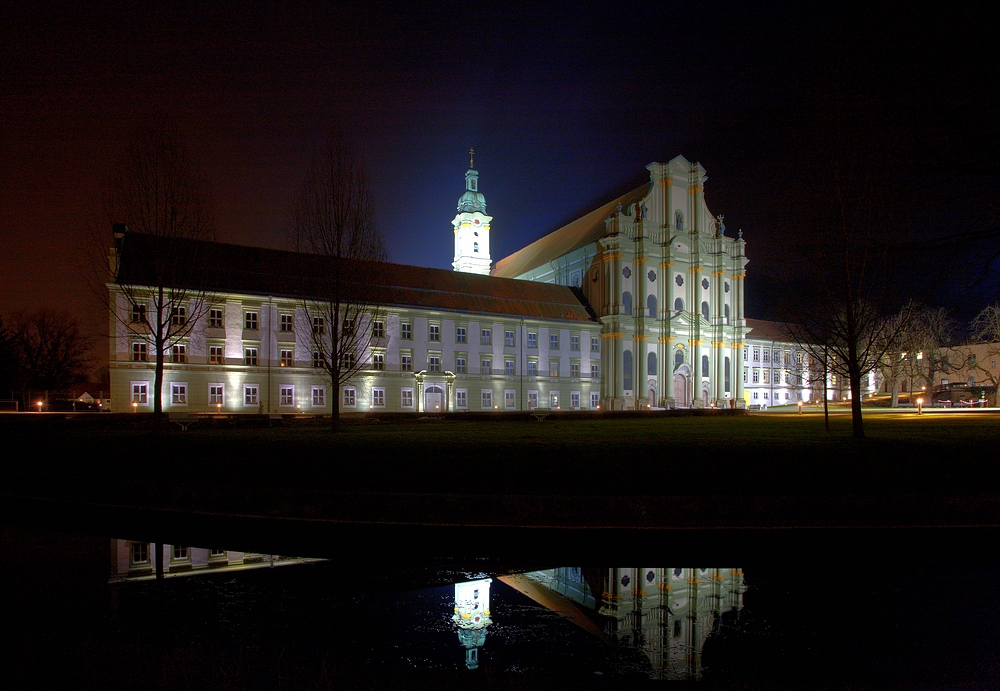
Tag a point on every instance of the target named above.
point(414, 484)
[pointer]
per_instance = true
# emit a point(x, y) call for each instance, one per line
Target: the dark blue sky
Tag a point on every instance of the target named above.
point(564, 106)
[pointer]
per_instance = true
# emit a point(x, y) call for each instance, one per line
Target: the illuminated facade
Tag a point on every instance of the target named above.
point(667, 614)
point(472, 227)
point(667, 285)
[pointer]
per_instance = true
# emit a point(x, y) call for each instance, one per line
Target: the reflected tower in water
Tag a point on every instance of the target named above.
point(666, 613)
point(472, 615)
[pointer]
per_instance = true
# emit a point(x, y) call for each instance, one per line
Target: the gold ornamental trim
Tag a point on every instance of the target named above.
point(668, 339)
point(716, 274)
point(611, 256)
point(696, 269)
point(640, 337)
point(695, 189)
point(613, 336)
point(640, 259)
point(718, 344)
point(695, 342)
point(666, 265)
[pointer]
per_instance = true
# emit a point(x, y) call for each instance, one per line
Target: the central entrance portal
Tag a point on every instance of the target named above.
point(434, 399)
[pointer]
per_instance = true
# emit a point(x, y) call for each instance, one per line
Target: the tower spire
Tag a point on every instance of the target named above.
point(472, 152)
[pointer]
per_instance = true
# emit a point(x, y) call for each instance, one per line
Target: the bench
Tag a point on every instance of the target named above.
point(183, 420)
point(754, 407)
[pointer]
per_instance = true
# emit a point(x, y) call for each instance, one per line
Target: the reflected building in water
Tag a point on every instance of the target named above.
point(668, 614)
point(472, 616)
point(132, 560)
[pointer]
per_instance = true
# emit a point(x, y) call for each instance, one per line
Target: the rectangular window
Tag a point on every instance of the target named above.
point(406, 363)
point(250, 356)
point(574, 342)
point(487, 398)
point(798, 357)
point(378, 329)
point(178, 353)
point(595, 344)
point(461, 398)
point(574, 400)
point(319, 326)
point(139, 352)
point(595, 400)
point(286, 395)
point(215, 355)
point(746, 355)
point(553, 400)
point(553, 368)
point(509, 400)
point(251, 321)
point(179, 553)
point(532, 368)
point(319, 396)
point(287, 358)
point(138, 314)
point(139, 553)
point(140, 392)
point(460, 335)
point(756, 376)
point(777, 376)
point(350, 397)
point(756, 354)
point(378, 362)
point(554, 341)
point(745, 375)
point(286, 323)
point(532, 400)
point(508, 338)
point(317, 359)
point(250, 394)
point(178, 316)
point(215, 318)
point(406, 398)
point(485, 337)
point(216, 394)
point(378, 398)
point(485, 366)
point(434, 363)
point(405, 331)
point(508, 368)
point(767, 354)
point(460, 365)
point(777, 357)
point(347, 360)
point(532, 339)
point(574, 369)
point(767, 376)
point(594, 370)
point(434, 333)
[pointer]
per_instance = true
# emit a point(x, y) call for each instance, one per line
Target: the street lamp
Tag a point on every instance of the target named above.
point(135, 406)
point(40, 406)
point(800, 407)
point(920, 406)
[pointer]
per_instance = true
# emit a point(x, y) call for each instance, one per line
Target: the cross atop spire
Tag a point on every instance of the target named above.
point(472, 152)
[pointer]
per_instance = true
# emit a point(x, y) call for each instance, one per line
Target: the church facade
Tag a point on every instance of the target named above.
point(636, 305)
point(667, 285)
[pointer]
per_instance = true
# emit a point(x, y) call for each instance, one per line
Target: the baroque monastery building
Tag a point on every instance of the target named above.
point(638, 304)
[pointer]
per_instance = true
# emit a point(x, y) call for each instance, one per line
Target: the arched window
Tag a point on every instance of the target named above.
point(627, 369)
point(727, 389)
point(704, 309)
point(679, 305)
point(704, 365)
point(679, 217)
point(651, 364)
point(627, 302)
point(475, 247)
point(678, 357)
point(651, 306)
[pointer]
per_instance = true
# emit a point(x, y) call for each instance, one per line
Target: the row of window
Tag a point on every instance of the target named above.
point(678, 306)
point(775, 355)
point(217, 394)
point(350, 399)
point(139, 554)
point(765, 376)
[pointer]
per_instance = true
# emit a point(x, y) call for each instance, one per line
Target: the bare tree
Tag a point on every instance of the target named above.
point(49, 349)
point(157, 193)
point(333, 217)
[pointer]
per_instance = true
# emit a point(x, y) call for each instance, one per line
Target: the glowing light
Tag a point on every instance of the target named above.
point(135, 407)
point(39, 406)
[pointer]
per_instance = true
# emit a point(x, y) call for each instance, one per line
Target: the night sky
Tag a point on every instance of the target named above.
point(563, 105)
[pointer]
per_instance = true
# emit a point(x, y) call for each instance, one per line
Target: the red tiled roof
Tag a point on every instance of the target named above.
point(148, 260)
point(767, 330)
point(582, 231)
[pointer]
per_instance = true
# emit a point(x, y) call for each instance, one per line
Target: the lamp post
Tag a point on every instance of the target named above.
point(135, 406)
point(40, 406)
point(920, 406)
point(800, 407)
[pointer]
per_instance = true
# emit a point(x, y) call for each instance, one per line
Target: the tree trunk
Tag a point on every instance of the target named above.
point(857, 422)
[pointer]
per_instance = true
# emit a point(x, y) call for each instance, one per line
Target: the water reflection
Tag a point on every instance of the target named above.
point(472, 616)
point(132, 560)
point(666, 613)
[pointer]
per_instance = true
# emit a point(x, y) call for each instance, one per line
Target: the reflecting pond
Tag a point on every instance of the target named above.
point(84, 611)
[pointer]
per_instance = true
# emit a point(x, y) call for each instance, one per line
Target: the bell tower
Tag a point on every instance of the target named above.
point(472, 226)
